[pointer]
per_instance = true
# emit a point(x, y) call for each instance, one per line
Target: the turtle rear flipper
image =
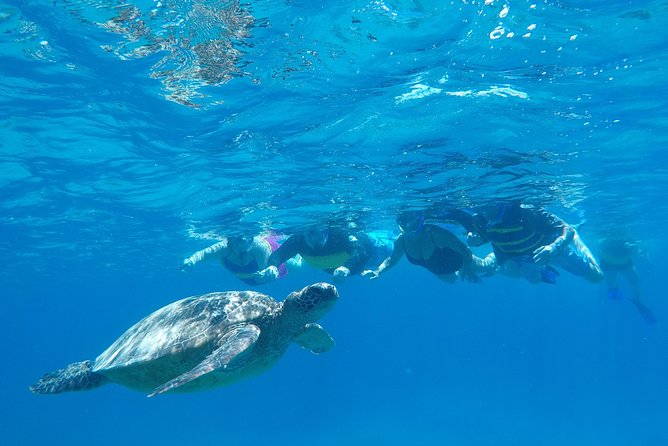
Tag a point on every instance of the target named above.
point(232, 344)
point(76, 376)
point(313, 337)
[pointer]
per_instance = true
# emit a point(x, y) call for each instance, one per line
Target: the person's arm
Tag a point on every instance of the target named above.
point(215, 250)
point(389, 262)
point(462, 217)
point(290, 248)
point(566, 236)
point(549, 222)
point(472, 222)
point(261, 251)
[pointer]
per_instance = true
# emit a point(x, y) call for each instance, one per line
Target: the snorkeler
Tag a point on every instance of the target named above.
point(333, 249)
point(616, 256)
point(435, 248)
point(246, 257)
point(528, 242)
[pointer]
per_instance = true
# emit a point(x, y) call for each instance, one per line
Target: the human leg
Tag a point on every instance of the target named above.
point(577, 259)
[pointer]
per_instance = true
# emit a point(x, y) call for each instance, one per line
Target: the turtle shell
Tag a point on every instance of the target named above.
point(175, 338)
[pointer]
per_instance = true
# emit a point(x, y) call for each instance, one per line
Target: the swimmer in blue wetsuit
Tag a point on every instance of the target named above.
point(335, 250)
point(245, 257)
point(435, 248)
point(528, 242)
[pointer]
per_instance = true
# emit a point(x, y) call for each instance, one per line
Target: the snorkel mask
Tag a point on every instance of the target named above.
point(240, 243)
point(316, 237)
point(411, 222)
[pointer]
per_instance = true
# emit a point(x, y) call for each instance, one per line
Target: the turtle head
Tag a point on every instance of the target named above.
point(312, 302)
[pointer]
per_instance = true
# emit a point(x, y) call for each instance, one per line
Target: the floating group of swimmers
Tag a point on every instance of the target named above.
point(526, 242)
point(218, 338)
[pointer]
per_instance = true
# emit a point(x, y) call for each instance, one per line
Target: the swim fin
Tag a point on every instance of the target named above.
point(645, 312)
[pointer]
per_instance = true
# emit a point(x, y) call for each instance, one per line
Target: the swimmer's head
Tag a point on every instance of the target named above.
point(411, 221)
point(240, 243)
point(316, 237)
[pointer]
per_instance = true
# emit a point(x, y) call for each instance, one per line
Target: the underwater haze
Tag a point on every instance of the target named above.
point(133, 134)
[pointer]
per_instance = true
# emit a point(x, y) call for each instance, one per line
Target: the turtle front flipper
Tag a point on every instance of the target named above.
point(76, 376)
point(313, 337)
point(233, 343)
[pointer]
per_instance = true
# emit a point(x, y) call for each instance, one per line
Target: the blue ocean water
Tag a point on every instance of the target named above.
point(134, 133)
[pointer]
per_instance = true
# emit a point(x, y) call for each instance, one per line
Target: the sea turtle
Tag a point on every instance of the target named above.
point(202, 342)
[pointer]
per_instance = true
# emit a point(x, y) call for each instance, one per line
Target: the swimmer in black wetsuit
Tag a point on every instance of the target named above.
point(335, 250)
point(435, 248)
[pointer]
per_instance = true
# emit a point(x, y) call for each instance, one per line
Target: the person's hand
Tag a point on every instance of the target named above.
point(371, 274)
point(187, 265)
point(340, 274)
point(268, 274)
point(544, 254)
